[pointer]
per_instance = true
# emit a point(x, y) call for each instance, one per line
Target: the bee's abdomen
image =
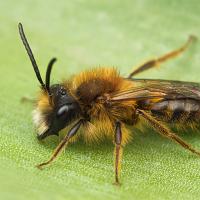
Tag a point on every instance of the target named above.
point(177, 111)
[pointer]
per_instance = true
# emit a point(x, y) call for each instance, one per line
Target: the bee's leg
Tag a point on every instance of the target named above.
point(118, 151)
point(27, 99)
point(63, 143)
point(164, 131)
point(157, 61)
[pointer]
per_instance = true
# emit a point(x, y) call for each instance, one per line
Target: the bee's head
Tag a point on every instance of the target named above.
point(55, 112)
point(56, 108)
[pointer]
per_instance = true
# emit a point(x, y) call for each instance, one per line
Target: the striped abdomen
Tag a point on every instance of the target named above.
point(177, 111)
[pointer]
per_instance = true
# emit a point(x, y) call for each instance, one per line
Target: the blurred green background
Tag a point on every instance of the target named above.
point(82, 34)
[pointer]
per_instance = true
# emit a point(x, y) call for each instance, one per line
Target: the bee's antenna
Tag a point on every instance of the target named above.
point(48, 73)
point(30, 54)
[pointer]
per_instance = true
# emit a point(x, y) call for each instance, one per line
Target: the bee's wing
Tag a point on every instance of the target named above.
point(144, 89)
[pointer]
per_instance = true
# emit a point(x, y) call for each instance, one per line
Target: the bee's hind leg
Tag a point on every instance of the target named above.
point(164, 131)
point(157, 61)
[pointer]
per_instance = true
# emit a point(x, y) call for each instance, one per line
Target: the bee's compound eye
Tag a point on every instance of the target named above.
point(63, 110)
point(62, 91)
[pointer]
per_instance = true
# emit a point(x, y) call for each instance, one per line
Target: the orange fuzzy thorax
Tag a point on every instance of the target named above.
point(99, 82)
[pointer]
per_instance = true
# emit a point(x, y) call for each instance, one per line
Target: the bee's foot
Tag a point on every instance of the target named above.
point(117, 183)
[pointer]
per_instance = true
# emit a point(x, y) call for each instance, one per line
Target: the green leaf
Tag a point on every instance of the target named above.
point(82, 34)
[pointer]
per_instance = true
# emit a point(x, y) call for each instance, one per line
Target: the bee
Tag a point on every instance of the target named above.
point(100, 103)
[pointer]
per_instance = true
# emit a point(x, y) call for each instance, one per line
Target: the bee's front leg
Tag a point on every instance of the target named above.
point(62, 144)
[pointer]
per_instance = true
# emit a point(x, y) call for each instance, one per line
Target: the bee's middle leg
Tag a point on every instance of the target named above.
point(118, 151)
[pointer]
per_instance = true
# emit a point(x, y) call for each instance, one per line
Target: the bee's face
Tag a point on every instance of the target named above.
point(56, 112)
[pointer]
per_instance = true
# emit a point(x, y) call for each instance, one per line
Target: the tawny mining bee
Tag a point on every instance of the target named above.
point(102, 103)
